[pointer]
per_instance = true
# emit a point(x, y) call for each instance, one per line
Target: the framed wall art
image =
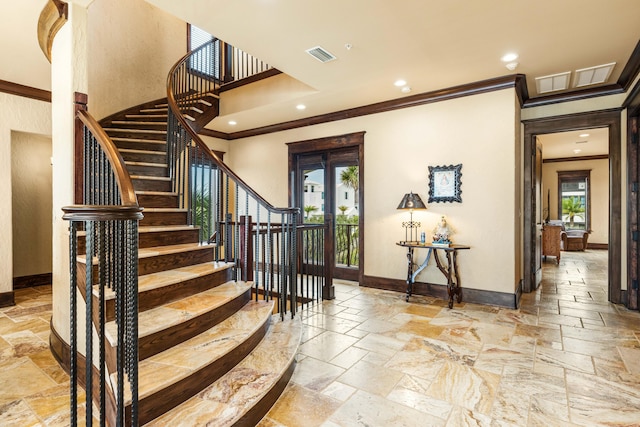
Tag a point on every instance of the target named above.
point(444, 184)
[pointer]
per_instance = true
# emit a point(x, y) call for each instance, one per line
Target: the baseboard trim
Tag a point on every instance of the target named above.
point(518, 295)
point(604, 246)
point(476, 296)
point(31, 281)
point(7, 299)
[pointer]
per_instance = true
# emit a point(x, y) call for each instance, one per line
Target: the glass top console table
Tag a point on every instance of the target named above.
point(450, 271)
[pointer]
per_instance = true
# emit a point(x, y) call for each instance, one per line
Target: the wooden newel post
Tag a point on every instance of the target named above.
point(80, 104)
point(246, 248)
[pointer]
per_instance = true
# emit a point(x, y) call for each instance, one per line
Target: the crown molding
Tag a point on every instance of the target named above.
point(484, 86)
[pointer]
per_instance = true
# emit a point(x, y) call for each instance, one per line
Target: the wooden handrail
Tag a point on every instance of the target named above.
point(173, 105)
point(127, 192)
point(52, 18)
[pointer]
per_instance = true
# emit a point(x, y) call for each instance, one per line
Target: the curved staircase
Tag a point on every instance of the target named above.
point(209, 354)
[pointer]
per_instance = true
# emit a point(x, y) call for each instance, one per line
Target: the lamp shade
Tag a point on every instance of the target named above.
point(411, 201)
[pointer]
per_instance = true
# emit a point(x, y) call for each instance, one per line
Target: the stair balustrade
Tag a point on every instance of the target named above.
point(108, 221)
point(259, 238)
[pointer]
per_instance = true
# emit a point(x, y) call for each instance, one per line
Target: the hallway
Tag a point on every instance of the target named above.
point(566, 357)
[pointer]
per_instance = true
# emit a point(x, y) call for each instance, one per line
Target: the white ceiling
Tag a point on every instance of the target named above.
point(432, 44)
point(562, 145)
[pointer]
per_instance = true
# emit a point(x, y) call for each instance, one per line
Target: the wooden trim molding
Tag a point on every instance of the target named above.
point(631, 69)
point(7, 299)
point(475, 296)
point(31, 281)
point(25, 91)
point(52, 17)
point(576, 159)
point(598, 246)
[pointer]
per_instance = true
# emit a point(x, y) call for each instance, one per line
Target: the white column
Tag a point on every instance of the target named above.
point(68, 75)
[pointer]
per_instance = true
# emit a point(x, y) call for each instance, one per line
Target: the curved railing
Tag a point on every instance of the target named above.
point(104, 254)
point(247, 230)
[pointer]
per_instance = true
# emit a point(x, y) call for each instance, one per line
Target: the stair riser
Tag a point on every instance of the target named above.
point(135, 124)
point(157, 201)
point(148, 170)
point(156, 297)
point(151, 185)
point(170, 261)
point(157, 404)
point(144, 157)
point(152, 239)
point(150, 117)
point(152, 145)
point(124, 133)
point(164, 218)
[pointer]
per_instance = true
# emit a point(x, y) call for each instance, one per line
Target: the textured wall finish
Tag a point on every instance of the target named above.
point(31, 203)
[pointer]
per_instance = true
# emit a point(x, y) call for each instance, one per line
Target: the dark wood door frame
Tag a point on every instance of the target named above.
point(332, 143)
point(597, 119)
point(632, 103)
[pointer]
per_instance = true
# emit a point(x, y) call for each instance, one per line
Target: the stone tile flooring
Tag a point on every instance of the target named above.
point(566, 357)
point(368, 358)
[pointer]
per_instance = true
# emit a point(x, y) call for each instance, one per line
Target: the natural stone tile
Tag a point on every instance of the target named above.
point(300, 407)
point(470, 388)
point(369, 377)
point(315, 374)
point(367, 409)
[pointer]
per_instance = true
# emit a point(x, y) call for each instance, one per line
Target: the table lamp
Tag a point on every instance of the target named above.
point(411, 201)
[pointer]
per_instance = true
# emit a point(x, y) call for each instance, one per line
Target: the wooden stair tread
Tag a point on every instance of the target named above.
point(143, 141)
point(161, 279)
point(156, 193)
point(136, 151)
point(159, 132)
point(152, 178)
point(233, 395)
point(155, 165)
point(135, 122)
point(176, 312)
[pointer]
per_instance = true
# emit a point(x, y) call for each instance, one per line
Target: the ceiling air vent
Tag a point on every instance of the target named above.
point(321, 54)
point(593, 75)
point(553, 82)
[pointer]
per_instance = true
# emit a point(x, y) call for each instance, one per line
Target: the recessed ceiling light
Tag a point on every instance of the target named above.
point(583, 135)
point(405, 89)
point(509, 57)
point(577, 150)
point(400, 83)
point(232, 122)
point(301, 106)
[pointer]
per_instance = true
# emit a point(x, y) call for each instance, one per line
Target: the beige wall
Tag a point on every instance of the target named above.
point(478, 131)
point(599, 193)
point(31, 203)
point(23, 115)
point(132, 47)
